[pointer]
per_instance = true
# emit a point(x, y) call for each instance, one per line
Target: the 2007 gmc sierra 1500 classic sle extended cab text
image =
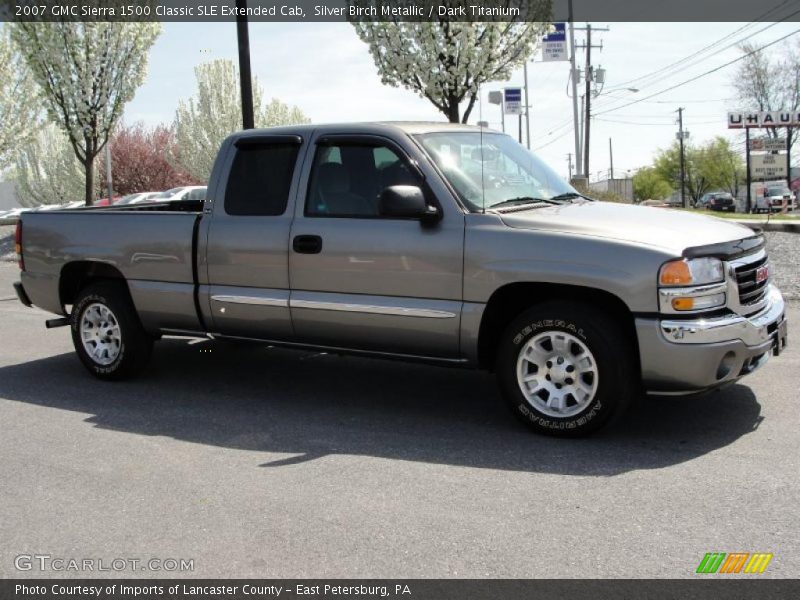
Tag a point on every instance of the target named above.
point(425, 241)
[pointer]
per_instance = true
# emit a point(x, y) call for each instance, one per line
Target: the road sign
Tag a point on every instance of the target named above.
point(775, 118)
point(512, 101)
point(768, 144)
point(768, 166)
point(554, 44)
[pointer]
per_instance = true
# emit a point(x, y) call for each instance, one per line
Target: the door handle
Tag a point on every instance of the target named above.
point(307, 244)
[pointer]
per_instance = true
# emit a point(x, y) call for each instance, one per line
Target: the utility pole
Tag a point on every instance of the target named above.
point(748, 179)
point(245, 77)
point(579, 157)
point(569, 165)
point(527, 108)
point(611, 159)
point(574, 78)
point(683, 163)
point(109, 182)
point(586, 119)
point(588, 77)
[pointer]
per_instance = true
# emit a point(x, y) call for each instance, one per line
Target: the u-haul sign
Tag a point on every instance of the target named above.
point(775, 118)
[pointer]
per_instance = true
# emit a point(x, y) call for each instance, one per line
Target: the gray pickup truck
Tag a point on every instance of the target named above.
point(423, 241)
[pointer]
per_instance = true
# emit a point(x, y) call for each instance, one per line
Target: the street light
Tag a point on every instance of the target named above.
point(245, 79)
point(496, 97)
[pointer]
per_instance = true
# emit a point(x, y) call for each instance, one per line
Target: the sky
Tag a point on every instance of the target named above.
point(326, 70)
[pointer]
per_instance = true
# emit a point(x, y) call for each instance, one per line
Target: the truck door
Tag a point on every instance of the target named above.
point(360, 280)
point(248, 239)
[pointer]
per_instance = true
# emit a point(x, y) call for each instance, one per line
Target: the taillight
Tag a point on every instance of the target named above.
point(18, 245)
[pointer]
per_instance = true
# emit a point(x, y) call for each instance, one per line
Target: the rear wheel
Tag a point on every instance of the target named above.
point(566, 369)
point(106, 332)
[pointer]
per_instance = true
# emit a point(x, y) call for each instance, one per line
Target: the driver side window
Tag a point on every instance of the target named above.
point(347, 179)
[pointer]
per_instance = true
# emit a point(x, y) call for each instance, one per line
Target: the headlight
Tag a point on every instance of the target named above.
point(697, 271)
point(692, 285)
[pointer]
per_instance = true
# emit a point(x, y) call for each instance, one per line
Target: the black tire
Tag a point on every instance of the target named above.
point(131, 351)
point(614, 359)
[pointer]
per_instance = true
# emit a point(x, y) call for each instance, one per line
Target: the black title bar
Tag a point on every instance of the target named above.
point(733, 588)
point(602, 11)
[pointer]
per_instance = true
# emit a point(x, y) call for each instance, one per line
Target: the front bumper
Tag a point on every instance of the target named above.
point(689, 356)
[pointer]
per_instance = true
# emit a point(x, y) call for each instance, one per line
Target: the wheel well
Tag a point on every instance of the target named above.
point(77, 275)
point(510, 300)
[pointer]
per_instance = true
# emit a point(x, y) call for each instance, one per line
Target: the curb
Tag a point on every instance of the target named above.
point(784, 226)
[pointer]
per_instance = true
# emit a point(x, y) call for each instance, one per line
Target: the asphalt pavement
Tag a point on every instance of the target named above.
point(258, 462)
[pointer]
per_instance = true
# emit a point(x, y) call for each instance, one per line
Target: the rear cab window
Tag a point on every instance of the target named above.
point(260, 179)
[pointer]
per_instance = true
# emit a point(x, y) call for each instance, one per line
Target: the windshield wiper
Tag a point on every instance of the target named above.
point(522, 200)
point(567, 196)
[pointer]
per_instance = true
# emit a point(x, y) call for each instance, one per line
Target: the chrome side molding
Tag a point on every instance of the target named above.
point(400, 311)
point(255, 300)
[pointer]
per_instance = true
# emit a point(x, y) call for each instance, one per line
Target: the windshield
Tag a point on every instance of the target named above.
point(778, 191)
point(487, 169)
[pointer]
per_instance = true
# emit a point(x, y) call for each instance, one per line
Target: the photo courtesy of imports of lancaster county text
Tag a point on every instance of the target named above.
point(399, 299)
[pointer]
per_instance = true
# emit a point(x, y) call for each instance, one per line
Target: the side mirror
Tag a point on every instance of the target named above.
point(406, 201)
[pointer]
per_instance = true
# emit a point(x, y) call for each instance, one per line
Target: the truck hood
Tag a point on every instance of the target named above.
point(651, 226)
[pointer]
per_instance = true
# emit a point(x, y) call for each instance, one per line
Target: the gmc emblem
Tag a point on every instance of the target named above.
point(762, 273)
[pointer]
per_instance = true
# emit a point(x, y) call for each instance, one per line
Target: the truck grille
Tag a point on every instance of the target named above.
point(750, 291)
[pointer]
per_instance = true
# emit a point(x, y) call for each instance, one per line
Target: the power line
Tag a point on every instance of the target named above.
point(683, 68)
point(695, 78)
point(709, 46)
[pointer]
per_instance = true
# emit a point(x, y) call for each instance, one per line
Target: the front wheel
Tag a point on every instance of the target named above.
point(107, 334)
point(566, 369)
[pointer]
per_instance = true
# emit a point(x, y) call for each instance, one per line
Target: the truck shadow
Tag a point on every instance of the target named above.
point(312, 405)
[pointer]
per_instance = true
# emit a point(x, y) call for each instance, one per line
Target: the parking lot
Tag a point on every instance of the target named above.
point(258, 462)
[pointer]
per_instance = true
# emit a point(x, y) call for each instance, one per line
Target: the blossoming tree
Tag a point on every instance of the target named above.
point(45, 169)
point(17, 113)
point(446, 61)
point(86, 73)
point(205, 120)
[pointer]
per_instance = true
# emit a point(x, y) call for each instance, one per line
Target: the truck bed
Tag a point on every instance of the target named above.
point(150, 246)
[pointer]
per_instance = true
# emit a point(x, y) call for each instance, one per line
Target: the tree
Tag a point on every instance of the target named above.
point(447, 61)
point(46, 170)
point(86, 73)
point(721, 165)
point(18, 114)
point(648, 184)
point(204, 121)
point(770, 82)
point(714, 165)
point(142, 160)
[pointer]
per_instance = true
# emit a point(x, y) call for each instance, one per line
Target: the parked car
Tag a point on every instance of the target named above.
point(371, 239)
point(185, 193)
point(137, 198)
point(774, 198)
point(719, 201)
point(106, 201)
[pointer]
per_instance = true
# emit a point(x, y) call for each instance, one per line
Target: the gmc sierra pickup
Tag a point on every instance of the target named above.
point(423, 241)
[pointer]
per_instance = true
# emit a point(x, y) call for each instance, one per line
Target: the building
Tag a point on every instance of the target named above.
point(620, 187)
point(8, 195)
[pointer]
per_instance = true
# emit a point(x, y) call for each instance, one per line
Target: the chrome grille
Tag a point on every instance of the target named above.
point(751, 292)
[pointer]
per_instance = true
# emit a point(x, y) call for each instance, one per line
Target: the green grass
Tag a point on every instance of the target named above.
point(740, 216)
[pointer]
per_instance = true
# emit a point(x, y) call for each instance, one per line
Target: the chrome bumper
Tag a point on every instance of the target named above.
point(685, 357)
point(753, 331)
